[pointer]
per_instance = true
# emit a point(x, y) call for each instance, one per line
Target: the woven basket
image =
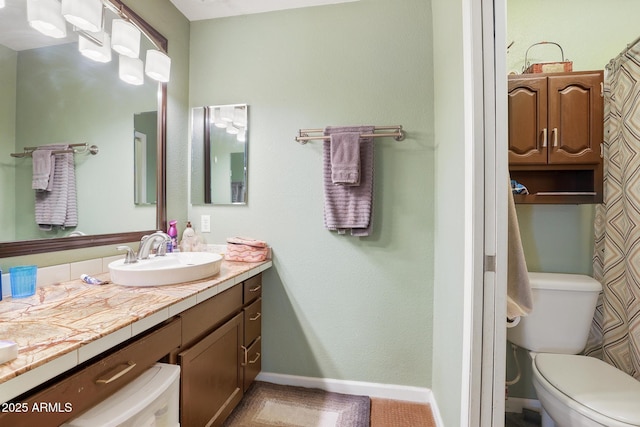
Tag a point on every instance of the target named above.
point(547, 67)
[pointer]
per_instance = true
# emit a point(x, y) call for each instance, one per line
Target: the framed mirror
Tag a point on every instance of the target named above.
point(87, 103)
point(219, 149)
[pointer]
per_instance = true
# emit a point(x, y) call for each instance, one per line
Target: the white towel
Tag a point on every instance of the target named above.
point(519, 299)
point(43, 168)
point(58, 207)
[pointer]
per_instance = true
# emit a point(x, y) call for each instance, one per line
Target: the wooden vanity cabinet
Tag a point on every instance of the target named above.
point(555, 136)
point(89, 384)
point(215, 356)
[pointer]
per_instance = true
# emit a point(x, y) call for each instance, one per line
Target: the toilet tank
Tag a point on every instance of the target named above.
point(563, 307)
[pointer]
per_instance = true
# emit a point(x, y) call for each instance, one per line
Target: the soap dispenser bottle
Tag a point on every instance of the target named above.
point(173, 233)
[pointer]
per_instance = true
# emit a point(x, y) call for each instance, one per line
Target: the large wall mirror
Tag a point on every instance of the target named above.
point(53, 94)
point(219, 142)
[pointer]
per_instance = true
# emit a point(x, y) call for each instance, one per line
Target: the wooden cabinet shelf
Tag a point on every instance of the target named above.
point(555, 136)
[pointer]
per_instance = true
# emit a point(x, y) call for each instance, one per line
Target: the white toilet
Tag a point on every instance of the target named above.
point(573, 390)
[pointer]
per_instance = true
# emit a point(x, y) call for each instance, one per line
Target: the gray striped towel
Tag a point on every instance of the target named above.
point(58, 207)
point(349, 207)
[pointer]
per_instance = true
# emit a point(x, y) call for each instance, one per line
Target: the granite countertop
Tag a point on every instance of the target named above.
point(66, 324)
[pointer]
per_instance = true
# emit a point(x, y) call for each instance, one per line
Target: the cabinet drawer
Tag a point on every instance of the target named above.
point(252, 288)
point(205, 316)
point(252, 321)
point(253, 362)
point(95, 382)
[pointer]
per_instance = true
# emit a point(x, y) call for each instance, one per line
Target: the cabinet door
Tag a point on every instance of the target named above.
point(212, 380)
point(575, 118)
point(528, 120)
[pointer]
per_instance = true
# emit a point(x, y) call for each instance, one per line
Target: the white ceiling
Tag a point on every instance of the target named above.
point(196, 10)
point(17, 35)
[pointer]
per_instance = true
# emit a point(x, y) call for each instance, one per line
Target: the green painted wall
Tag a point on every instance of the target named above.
point(334, 306)
point(449, 204)
point(8, 70)
point(560, 238)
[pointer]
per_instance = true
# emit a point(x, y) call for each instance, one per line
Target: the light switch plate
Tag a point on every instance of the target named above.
point(205, 223)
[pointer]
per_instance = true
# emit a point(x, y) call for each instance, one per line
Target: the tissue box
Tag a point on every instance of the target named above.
point(246, 250)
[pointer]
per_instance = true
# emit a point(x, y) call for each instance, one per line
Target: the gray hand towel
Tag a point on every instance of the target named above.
point(43, 167)
point(345, 158)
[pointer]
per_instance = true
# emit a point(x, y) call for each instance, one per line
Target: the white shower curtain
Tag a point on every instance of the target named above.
point(615, 332)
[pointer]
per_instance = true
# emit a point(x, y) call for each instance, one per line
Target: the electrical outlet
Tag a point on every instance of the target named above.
point(205, 223)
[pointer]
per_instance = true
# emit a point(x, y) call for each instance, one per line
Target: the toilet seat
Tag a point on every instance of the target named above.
point(591, 387)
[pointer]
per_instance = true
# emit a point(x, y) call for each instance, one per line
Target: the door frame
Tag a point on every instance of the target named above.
point(485, 56)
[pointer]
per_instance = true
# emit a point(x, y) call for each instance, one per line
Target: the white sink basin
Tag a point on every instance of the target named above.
point(173, 268)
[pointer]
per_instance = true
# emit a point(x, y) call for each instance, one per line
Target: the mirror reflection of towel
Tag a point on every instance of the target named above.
point(58, 207)
point(43, 169)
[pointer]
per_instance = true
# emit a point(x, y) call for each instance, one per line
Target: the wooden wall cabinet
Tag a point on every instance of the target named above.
point(555, 136)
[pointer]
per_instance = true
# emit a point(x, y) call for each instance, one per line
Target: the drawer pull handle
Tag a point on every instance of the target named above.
point(256, 289)
point(544, 138)
point(256, 317)
point(114, 376)
point(555, 136)
point(251, 362)
point(245, 352)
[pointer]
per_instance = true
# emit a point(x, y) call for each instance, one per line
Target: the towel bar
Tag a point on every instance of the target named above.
point(399, 134)
point(85, 148)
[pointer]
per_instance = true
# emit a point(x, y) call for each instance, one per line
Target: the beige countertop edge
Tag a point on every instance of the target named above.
point(66, 324)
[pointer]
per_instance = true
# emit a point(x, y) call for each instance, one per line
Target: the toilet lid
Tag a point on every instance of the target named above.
point(594, 384)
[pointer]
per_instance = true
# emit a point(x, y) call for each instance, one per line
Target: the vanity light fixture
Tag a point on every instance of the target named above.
point(83, 14)
point(130, 70)
point(239, 117)
point(93, 50)
point(157, 65)
point(125, 38)
point(232, 130)
point(217, 119)
point(45, 16)
point(226, 113)
point(242, 135)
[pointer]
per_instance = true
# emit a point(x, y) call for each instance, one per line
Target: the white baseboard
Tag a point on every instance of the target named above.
point(515, 404)
point(382, 391)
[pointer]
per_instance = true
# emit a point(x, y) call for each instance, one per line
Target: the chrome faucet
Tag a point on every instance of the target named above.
point(147, 243)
